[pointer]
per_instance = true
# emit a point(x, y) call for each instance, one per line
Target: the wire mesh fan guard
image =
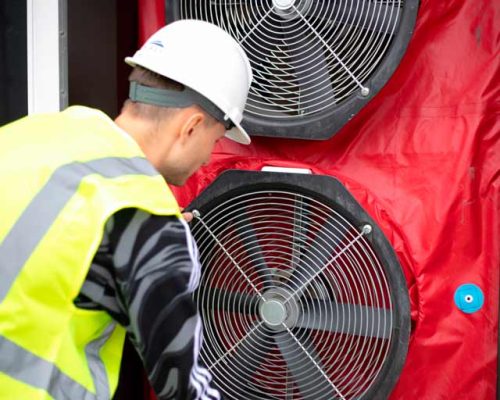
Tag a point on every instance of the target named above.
point(315, 62)
point(295, 298)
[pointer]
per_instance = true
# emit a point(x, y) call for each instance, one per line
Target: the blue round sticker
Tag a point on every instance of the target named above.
point(469, 298)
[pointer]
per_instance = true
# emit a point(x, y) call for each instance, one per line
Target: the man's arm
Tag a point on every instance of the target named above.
point(144, 275)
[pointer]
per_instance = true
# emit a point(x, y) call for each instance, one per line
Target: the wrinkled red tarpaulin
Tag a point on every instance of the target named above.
point(423, 158)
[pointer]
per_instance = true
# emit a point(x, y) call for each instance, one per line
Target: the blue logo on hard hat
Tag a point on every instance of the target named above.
point(157, 43)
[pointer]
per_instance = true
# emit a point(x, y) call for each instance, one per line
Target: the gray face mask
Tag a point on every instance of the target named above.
point(176, 99)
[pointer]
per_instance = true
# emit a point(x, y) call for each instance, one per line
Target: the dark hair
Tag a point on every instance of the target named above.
point(152, 79)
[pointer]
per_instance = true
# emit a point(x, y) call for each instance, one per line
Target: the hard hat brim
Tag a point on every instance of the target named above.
point(238, 134)
point(130, 61)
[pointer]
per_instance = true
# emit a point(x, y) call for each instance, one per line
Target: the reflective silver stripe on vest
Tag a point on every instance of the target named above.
point(42, 211)
point(21, 364)
point(96, 365)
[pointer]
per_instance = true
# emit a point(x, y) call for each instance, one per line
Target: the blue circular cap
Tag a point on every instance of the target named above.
point(469, 298)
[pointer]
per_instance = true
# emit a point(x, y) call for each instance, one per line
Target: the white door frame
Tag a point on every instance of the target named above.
point(47, 55)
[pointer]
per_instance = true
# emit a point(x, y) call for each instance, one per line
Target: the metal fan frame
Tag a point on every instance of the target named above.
point(331, 192)
point(328, 122)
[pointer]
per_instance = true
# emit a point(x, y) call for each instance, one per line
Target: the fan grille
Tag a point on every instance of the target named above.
point(295, 303)
point(307, 55)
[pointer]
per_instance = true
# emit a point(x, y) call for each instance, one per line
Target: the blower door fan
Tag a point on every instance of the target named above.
point(316, 63)
point(301, 295)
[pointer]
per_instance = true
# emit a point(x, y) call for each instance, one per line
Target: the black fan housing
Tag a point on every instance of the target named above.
point(301, 295)
point(315, 63)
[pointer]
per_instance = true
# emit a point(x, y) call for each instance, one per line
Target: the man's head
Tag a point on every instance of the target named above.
point(188, 90)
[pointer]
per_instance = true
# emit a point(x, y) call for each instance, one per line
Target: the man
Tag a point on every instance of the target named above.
point(92, 242)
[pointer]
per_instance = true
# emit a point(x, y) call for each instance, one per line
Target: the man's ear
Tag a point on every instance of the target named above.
point(192, 121)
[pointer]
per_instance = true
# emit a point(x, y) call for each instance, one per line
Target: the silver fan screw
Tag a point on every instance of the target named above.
point(365, 91)
point(367, 229)
point(196, 214)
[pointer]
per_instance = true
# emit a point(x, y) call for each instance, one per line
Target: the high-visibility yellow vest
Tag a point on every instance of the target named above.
point(61, 177)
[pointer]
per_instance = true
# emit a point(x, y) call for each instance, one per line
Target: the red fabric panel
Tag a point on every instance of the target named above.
point(423, 158)
point(151, 17)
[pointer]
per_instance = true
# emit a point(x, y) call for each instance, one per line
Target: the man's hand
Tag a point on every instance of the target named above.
point(188, 216)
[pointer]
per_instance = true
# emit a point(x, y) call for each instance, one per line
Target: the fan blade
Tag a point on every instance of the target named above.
point(312, 384)
point(224, 300)
point(371, 15)
point(251, 245)
point(308, 60)
point(346, 318)
point(251, 351)
point(300, 228)
point(226, 3)
point(228, 367)
point(244, 361)
point(264, 107)
point(272, 92)
point(316, 257)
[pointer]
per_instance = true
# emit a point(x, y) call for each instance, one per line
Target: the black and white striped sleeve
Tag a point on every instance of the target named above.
point(144, 275)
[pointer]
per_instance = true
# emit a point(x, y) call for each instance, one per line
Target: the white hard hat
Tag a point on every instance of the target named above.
point(207, 60)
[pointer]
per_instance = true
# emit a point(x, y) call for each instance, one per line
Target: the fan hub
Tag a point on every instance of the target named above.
point(283, 4)
point(291, 9)
point(273, 312)
point(278, 310)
